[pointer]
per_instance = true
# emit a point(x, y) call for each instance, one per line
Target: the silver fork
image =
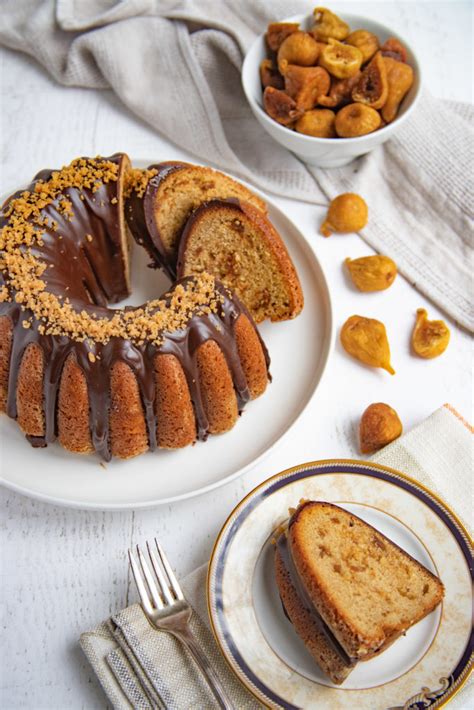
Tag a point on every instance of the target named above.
point(167, 610)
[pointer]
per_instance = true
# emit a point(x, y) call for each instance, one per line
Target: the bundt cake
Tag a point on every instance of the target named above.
point(238, 244)
point(348, 590)
point(114, 381)
point(157, 212)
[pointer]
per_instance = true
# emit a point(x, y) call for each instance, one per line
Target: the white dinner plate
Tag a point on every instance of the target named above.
point(422, 669)
point(299, 350)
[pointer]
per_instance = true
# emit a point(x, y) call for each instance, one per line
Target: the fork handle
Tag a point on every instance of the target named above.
point(188, 638)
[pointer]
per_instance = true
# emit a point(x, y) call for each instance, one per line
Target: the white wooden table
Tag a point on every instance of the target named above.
point(65, 570)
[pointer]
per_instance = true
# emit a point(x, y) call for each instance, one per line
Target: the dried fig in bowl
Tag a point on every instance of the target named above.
point(366, 340)
point(430, 338)
point(340, 92)
point(379, 426)
point(372, 87)
point(399, 80)
point(306, 84)
point(357, 120)
point(318, 123)
point(298, 48)
point(341, 60)
point(346, 213)
point(365, 41)
point(270, 76)
point(277, 32)
point(328, 25)
point(372, 273)
point(281, 107)
point(394, 49)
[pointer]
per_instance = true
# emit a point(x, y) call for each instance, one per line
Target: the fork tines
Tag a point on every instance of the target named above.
point(163, 587)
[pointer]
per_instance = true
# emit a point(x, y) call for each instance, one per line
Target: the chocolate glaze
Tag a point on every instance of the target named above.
point(140, 215)
point(306, 601)
point(93, 273)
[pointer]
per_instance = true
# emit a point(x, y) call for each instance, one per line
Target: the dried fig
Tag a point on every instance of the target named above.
point(379, 425)
point(399, 80)
point(280, 106)
point(270, 76)
point(356, 120)
point(430, 338)
point(365, 41)
point(305, 84)
point(298, 48)
point(277, 32)
point(372, 87)
point(327, 24)
point(341, 60)
point(318, 123)
point(394, 49)
point(340, 92)
point(366, 340)
point(372, 273)
point(346, 213)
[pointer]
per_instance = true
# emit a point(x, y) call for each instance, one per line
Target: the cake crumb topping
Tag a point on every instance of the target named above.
point(20, 261)
point(136, 180)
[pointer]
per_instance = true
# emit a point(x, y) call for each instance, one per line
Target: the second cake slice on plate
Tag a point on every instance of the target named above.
point(348, 590)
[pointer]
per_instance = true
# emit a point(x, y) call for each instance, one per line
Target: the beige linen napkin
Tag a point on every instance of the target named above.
point(176, 64)
point(141, 668)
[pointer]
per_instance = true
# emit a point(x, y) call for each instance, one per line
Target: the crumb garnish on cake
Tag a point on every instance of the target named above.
point(22, 234)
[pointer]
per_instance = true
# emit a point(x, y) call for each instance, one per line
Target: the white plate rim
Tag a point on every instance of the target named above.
point(435, 503)
point(329, 345)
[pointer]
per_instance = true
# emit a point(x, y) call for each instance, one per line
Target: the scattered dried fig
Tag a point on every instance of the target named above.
point(372, 87)
point(372, 273)
point(270, 76)
point(365, 41)
point(318, 123)
point(430, 338)
point(366, 340)
point(394, 49)
point(379, 425)
point(328, 25)
point(341, 60)
point(305, 84)
point(346, 213)
point(399, 80)
point(280, 106)
point(298, 48)
point(340, 92)
point(277, 32)
point(356, 120)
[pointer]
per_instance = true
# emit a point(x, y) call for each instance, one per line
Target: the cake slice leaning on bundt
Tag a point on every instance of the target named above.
point(349, 591)
point(114, 381)
point(238, 244)
point(161, 200)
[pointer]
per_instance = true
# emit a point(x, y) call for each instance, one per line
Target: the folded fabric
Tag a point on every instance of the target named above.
point(176, 64)
point(141, 668)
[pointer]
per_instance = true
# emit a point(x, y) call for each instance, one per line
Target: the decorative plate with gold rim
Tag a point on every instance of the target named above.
point(423, 669)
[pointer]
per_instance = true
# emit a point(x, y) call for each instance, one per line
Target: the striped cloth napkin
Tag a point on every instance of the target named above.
point(139, 667)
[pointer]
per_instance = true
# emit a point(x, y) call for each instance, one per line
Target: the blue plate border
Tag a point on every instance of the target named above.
point(219, 555)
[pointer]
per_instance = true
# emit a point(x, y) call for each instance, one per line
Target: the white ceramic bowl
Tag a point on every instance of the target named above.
point(326, 152)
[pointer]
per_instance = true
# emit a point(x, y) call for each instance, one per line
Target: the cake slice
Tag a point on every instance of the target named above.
point(348, 590)
point(158, 212)
point(236, 243)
